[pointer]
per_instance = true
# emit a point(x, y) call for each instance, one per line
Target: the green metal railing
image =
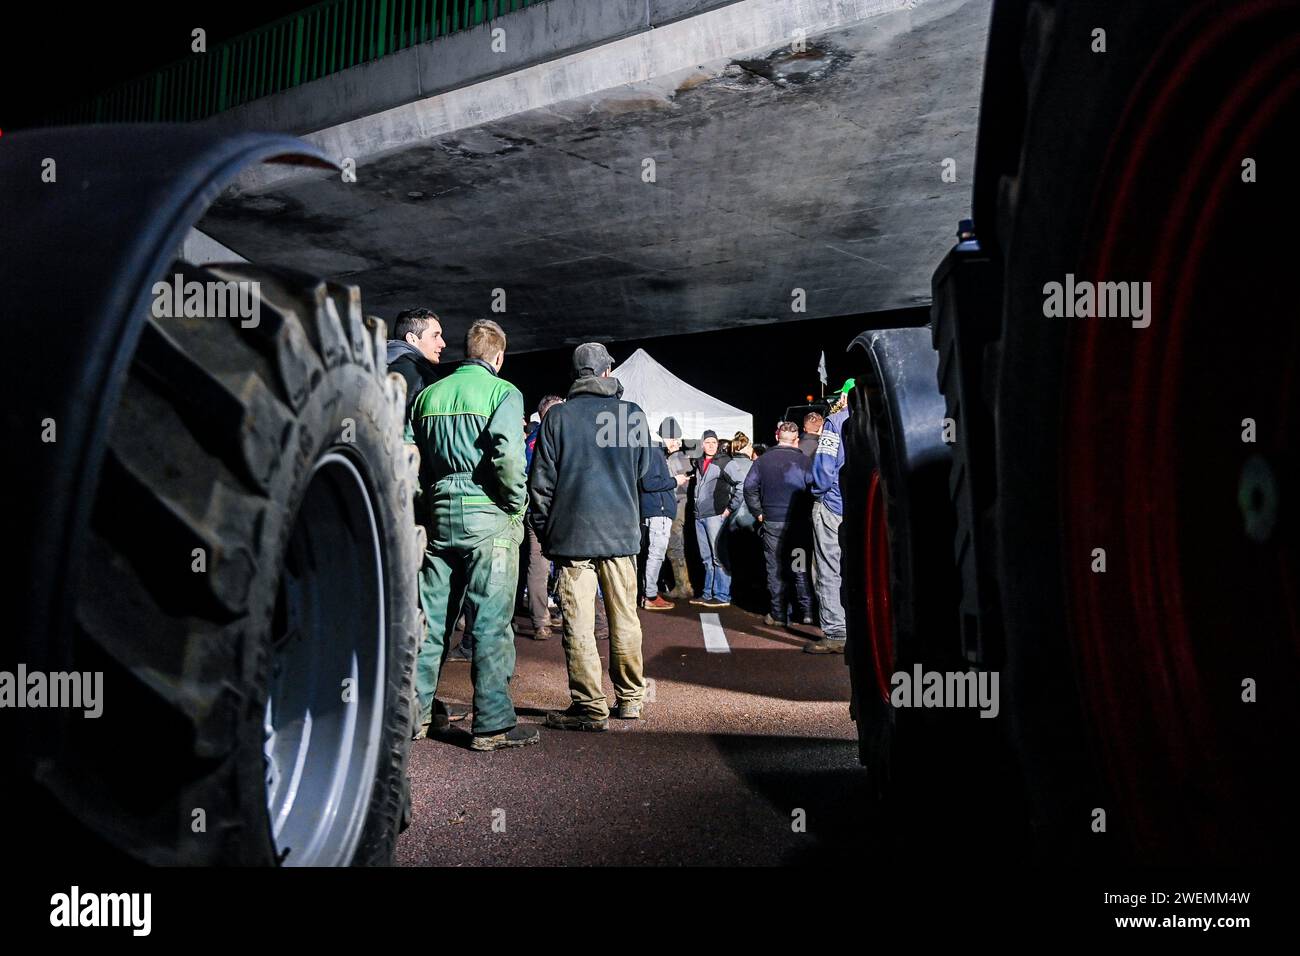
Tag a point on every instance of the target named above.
point(296, 49)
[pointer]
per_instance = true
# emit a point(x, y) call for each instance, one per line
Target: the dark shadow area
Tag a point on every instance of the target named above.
point(843, 822)
point(768, 673)
point(952, 809)
point(698, 800)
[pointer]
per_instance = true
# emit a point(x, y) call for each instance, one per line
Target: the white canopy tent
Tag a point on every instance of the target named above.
point(661, 394)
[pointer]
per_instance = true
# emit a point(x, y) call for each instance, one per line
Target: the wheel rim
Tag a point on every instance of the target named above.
point(1151, 470)
point(879, 615)
point(324, 711)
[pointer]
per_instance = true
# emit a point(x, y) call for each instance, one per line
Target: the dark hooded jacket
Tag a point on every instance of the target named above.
point(584, 490)
point(419, 372)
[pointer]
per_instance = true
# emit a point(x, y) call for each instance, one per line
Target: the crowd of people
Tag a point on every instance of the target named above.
point(511, 503)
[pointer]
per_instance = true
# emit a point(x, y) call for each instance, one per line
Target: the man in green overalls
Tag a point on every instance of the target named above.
point(469, 430)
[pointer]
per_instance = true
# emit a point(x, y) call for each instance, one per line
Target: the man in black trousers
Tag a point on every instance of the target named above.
point(776, 493)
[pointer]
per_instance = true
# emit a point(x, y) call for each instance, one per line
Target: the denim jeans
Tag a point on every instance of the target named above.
point(658, 531)
point(717, 582)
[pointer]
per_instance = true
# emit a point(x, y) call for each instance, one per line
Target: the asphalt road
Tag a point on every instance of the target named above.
point(744, 758)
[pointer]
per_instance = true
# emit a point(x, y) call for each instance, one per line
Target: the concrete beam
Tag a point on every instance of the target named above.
point(533, 35)
point(775, 171)
point(715, 36)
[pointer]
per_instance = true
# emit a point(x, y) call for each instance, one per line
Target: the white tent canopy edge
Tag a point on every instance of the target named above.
point(662, 394)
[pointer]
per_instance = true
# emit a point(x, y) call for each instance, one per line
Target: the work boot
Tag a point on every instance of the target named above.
point(542, 633)
point(461, 653)
point(575, 719)
point(628, 710)
point(514, 737)
point(825, 645)
point(771, 621)
point(657, 603)
point(440, 721)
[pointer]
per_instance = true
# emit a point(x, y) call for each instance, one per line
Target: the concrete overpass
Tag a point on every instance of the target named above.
point(628, 168)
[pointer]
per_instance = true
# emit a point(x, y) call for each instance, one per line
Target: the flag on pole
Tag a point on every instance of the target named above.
point(821, 369)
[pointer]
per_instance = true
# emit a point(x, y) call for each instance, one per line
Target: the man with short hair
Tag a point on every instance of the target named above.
point(678, 465)
point(827, 515)
point(712, 496)
point(658, 506)
point(775, 490)
point(812, 429)
point(414, 349)
point(584, 504)
point(472, 476)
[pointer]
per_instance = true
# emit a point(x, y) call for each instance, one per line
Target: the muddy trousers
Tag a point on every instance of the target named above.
point(577, 594)
point(482, 578)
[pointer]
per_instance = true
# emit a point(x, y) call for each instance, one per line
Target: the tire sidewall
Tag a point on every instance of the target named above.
point(349, 412)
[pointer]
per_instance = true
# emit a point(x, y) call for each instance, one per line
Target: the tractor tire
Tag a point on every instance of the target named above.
point(1145, 551)
point(248, 594)
point(940, 774)
point(899, 582)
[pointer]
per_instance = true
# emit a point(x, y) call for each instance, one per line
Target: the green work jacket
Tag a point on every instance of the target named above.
point(469, 428)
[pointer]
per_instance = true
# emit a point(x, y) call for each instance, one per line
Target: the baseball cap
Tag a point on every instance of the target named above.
point(708, 433)
point(591, 358)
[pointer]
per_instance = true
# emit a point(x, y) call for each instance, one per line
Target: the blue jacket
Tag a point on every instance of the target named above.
point(828, 461)
point(529, 444)
point(775, 484)
point(658, 489)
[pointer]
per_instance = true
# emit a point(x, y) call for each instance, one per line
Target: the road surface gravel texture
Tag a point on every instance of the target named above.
point(733, 746)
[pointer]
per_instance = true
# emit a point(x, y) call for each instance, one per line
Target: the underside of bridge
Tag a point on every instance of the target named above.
point(690, 198)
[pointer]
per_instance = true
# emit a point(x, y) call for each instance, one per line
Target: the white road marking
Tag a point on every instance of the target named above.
point(715, 638)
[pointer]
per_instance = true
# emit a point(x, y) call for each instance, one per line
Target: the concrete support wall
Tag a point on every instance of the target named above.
point(533, 35)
